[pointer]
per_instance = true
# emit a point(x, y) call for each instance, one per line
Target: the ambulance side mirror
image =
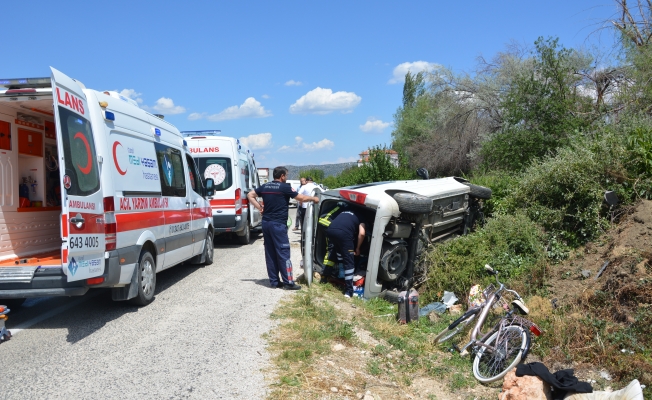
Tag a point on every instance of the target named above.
point(209, 190)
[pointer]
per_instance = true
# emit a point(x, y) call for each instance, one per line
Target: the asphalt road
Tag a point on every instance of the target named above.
point(200, 338)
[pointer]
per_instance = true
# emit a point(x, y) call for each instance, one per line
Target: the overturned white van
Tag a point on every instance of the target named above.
point(403, 218)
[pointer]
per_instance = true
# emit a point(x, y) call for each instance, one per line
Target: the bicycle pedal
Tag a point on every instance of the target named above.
point(464, 353)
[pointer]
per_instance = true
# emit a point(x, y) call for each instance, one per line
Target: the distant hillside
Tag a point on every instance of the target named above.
point(329, 169)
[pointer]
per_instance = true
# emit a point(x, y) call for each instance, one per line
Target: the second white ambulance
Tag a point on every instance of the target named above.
point(231, 166)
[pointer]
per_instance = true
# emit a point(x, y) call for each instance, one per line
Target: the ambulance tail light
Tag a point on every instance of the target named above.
point(355, 197)
point(110, 225)
point(238, 201)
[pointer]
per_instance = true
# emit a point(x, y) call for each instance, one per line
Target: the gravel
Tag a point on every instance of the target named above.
point(200, 338)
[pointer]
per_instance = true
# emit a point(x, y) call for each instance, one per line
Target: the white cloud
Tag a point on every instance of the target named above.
point(265, 96)
point(132, 94)
point(257, 141)
point(374, 125)
point(324, 101)
point(413, 67)
point(292, 82)
point(251, 108)
point(300, 145)
point(165, 105)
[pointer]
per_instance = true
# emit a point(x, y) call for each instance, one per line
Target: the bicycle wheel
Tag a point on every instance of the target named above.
point(453, 329)
point(510, 344)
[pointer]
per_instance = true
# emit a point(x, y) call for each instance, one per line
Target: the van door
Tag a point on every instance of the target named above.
point(308, 233)
point(256, 216)
point(200, 209)
point(82, 210)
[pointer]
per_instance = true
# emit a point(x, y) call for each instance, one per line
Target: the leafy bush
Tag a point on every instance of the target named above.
point(564, 193)
point(513, 244)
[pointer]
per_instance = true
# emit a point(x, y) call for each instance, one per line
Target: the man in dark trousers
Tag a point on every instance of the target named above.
point(276, 199)
point(346, 232)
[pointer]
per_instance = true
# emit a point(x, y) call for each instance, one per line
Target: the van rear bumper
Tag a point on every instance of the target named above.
point(228, 223)
point(53, 282)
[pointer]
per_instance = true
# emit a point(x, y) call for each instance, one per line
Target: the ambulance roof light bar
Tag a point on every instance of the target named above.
point(23, 83)
point(213, 132)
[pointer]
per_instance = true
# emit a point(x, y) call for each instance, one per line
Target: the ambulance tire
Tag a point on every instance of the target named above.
point(146, 270)
point(412, 203)
point(246, 236)
point(208, 249)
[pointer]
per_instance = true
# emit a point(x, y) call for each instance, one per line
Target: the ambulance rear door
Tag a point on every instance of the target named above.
point(82, 211)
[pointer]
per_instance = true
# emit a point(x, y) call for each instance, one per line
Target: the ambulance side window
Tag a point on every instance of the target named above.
point(170, 165)
point(244, 175)
point(193, 175)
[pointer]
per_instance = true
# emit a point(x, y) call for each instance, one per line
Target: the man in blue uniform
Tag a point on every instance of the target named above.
point(346, 232)
point(276, 199)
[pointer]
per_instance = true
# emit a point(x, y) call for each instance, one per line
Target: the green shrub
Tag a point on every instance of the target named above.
point(501, 183)
point(564, 193)
point(513, 244)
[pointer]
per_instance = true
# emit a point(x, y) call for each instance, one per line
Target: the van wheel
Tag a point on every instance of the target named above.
point(208, 249)
point(390, 296)
point(246, 235)
point(476, 191)
point(146, 279)
point(413, 203)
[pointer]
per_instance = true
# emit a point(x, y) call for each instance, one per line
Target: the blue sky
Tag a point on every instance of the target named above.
point(303, 82)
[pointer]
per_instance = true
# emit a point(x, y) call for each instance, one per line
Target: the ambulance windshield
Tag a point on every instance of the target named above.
point(217, 168)
point(79, 154)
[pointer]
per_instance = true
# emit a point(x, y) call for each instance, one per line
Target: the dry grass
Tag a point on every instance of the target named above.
point(326, 343)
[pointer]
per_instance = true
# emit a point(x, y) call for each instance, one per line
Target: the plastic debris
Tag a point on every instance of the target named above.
point(437, 307)
point(449, 299)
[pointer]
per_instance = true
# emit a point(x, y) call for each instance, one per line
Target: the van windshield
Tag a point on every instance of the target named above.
point(217, 168)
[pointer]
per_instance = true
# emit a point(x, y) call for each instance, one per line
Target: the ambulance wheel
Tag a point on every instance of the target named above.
point(146, 279)
point(208, 249)
point(246, 235)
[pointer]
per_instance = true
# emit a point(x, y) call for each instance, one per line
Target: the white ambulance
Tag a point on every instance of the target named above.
point(231, 166)
point(94, 192)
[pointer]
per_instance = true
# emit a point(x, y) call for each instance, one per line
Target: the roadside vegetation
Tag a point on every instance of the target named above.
point(549, 130)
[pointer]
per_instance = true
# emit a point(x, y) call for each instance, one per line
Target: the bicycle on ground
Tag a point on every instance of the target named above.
point(505, 344)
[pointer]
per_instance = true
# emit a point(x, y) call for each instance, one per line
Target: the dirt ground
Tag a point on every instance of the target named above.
point(627, 242)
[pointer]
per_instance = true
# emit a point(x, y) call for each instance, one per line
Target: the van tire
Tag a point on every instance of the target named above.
point(208, 249)
point(146, 279)
point(476, 191)
point(390, 296)
point(412, 203)
point(246, 235)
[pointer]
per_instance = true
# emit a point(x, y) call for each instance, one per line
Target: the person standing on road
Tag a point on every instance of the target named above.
point(276, 199)
point(306, 190)
point(346, 232)
point(299, 205)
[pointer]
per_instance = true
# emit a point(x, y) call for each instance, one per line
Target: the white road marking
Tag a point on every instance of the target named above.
point(52, 313)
